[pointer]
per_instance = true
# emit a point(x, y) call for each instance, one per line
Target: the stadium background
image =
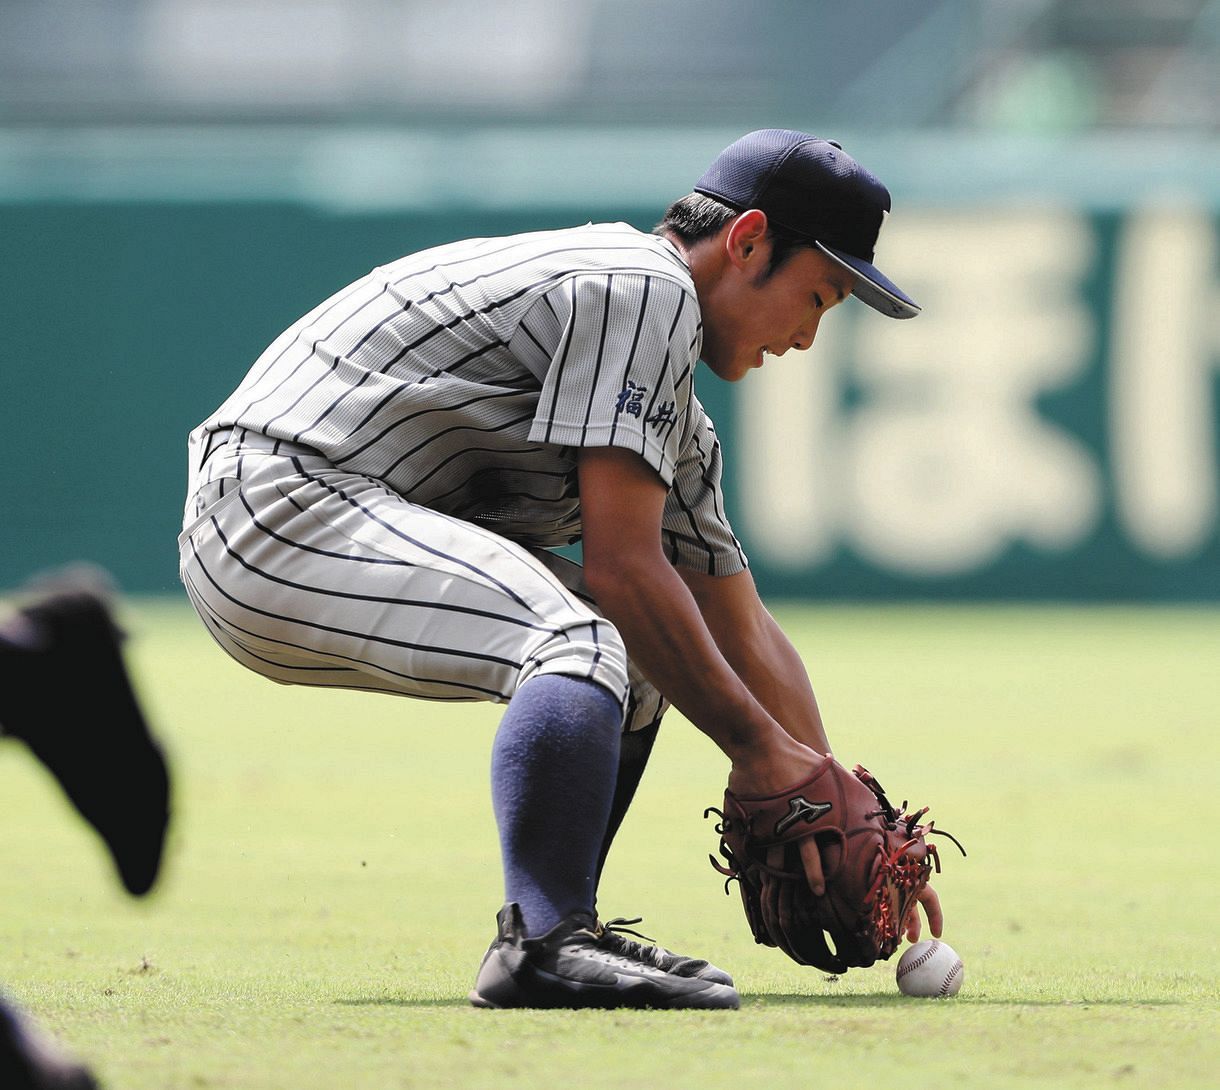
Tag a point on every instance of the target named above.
point(180, 179)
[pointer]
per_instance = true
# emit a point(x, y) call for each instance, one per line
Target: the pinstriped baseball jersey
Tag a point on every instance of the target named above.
point(466, 376)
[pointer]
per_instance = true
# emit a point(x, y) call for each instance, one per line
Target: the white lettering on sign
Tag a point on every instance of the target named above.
point(791, 443)
point(1163, 359)
point(925, 447)
point(950, 460)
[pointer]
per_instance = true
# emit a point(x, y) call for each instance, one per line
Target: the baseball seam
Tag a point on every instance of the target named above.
point(911, 966)
point(950, 977)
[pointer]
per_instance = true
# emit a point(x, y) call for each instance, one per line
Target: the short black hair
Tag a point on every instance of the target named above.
point(696, 217)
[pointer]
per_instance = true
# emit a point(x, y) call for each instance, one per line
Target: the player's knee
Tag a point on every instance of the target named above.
point(590, 648)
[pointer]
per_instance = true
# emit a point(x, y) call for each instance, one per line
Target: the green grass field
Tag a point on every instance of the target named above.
point(332, 877)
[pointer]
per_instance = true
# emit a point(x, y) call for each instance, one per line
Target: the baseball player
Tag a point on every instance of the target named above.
point(378, 503)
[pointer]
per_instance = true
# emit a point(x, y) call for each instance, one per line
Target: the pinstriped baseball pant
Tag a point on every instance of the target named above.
point(312, 575)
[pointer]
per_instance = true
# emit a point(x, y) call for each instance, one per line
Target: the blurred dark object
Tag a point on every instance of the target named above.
point(65, 692)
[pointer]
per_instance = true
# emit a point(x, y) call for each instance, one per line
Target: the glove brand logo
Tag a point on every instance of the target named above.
point(801, 809)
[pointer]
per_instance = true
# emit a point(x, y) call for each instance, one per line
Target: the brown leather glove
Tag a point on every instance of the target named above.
point(875, 857)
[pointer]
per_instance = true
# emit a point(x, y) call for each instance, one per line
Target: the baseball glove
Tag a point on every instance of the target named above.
point(875, 858)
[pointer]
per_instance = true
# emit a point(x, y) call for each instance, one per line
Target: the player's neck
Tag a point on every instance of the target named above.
point(684, 251)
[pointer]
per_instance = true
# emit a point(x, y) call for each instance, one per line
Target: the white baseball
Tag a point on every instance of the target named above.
point(931, 970)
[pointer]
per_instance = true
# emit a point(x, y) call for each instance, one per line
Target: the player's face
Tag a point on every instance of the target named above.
point(751, 316)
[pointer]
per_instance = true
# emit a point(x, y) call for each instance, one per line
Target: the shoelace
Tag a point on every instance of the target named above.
point(617, 928)
point(620, 925)
point(651, 954)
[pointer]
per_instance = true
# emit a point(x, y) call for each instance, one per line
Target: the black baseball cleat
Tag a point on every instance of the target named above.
point(30, 1061)
point(570, 966)
point(613, 938)
point(65, 692)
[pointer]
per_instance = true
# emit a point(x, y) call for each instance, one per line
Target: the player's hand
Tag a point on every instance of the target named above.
point(791, 764)
point(811, 860)
point(930, 902)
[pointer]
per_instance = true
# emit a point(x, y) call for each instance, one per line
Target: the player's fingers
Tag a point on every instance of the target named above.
point(931, 906)
point(775, 857)
point(784, 906)
point(811, 859)
point(770, 901)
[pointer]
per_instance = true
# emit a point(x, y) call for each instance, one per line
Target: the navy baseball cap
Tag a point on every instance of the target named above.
point(814, 189)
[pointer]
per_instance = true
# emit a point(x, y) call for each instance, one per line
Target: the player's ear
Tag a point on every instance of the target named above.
point(746, 237)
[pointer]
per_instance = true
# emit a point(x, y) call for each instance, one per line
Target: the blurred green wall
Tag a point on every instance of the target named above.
point(1046, 429)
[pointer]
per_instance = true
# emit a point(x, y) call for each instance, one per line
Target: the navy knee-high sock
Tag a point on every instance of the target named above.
point(553, 770)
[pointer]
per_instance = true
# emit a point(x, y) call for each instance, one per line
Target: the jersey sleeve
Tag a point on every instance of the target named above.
point(622, 369)
point(695, 530)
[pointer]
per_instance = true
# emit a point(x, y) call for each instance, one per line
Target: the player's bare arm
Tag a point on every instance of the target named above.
point(759, 652)
point(622, 500)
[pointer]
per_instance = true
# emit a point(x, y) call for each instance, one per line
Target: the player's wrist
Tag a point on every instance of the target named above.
point(773, 764)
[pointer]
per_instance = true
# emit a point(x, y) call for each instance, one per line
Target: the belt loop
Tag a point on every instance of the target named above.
point(217, 441)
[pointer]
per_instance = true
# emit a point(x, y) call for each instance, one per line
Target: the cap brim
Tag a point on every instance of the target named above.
point(873, 287)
